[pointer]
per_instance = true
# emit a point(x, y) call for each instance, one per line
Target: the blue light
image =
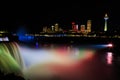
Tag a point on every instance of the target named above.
point(21, 31)
point(99, 46)
point(26, 38)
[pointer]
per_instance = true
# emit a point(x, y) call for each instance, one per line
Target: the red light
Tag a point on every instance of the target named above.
point(73, 23)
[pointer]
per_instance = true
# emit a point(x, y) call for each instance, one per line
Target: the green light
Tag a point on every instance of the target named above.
point(7, 62)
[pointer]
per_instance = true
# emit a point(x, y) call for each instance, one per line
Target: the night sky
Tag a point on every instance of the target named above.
point(33, 16)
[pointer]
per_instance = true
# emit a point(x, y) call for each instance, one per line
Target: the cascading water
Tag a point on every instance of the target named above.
point(10, 60)
point(35, 62)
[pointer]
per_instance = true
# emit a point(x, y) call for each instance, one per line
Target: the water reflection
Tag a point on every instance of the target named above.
point(109, 57)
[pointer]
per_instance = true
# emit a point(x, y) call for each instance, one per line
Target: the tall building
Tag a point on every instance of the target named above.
point(53, 28)
point(73, 25)
point(48, 30)
point(89, 23)
point(76, 27)
point(45, 29)
point(56, 27)
point(82, 28)
point(106, 18)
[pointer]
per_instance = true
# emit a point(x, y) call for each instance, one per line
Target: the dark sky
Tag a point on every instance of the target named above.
point(34, 15)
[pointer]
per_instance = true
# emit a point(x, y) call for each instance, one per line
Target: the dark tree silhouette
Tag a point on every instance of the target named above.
point(10, 76)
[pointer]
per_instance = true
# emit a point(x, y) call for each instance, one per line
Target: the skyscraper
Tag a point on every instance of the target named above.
point(73, 26)
point(89, 26)
point(53, 28)
point(106, 18)
point(45, 29)
point(56, 27)
point(76, 27)
point(82, 29)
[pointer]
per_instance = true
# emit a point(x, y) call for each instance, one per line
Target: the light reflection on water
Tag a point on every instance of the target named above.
point(109, 57)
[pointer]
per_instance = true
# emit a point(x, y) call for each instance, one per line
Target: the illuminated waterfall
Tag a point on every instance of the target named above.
point(38, 62)
point(10, 60)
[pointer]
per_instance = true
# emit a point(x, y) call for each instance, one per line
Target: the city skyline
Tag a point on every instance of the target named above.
point(34, 17)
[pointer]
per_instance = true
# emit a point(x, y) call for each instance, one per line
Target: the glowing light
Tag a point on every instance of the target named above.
point(3, 31)
point(109, 57)
point(110, 45)
point(26, 38)
point(107, 45)
point(56, 24)
point(4, 39)
point(73, 23)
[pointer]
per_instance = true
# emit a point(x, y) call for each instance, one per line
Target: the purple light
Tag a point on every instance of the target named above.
point(37, 45)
